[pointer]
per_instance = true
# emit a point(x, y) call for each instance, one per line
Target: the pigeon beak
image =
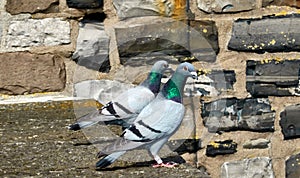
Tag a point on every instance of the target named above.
point(194, 75)
point(170, 70)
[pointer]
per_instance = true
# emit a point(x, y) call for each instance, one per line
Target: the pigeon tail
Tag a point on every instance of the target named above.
point(109, 159)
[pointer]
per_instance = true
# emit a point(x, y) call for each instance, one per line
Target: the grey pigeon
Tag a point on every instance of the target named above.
point(156, 123)
point(123, 109)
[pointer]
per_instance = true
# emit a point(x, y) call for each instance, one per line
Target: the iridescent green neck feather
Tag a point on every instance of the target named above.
point(153, 82)
point(174, 88)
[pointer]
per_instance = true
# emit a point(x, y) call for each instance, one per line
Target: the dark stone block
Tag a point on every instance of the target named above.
point(290, 122)
point(185, 146)
point(253, 114)
point(221, 148)
point(259, 35)
point(153, 36)
point(85, 4)
point(276, 78)
point(292, 166)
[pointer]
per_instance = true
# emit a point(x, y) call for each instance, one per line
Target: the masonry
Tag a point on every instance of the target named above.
point(246, 53)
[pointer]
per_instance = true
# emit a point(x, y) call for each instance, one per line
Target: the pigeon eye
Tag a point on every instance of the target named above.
point(185, 68)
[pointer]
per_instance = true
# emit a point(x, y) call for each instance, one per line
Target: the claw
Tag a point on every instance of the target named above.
point(168, 165)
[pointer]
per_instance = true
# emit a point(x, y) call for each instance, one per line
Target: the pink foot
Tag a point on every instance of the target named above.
point(168, 165)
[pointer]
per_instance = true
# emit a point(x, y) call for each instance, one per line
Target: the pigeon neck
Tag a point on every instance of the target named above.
point(153, 82)
point(173, 89)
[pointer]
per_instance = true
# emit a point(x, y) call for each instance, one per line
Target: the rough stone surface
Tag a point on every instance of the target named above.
point(37, 32)
point(92, 50)
point(289, 122)
point(256, 143)
point(100, 90)
point(259, 35)
point(214, 82)
point(292, 3)
point(137, 8)
point(221, 148)
point(85, 4)
point(36, 143)
point(210, 6)
point(29, 73)
point(154, 36)
point(31, 6)
point(229, 114)
point(248, 168)
point(271, 77)
point(293, 166)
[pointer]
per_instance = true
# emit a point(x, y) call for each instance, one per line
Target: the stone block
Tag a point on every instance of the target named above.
point(273, 77)
point(259, 35)
point(292, 3)
point(256, 143)
point(292, 166)
point(85, 4)
point(182, 146)
point(290, 122)
point(92, 50)
point(221, 148)
point(214, 82)
point(37, 32)
point(210, 6)
point(253, 114)
point(153, 36)
point(31, 6)
point(23, 73)
point(100, 90)
point(248, 168)
point(136, 8)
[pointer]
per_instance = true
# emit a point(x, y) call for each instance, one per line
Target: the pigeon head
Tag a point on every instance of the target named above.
point(154, 78)
point(187, 70)
point(173, 89)
point(160, 67)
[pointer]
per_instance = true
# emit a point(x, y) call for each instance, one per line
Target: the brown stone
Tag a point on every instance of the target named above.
point(31, 6)
point(292, 3)
point(23, 73)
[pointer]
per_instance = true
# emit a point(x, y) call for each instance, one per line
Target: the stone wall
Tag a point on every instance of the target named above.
point(246, 102)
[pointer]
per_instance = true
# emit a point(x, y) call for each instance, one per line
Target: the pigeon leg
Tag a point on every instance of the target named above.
point(161, 164)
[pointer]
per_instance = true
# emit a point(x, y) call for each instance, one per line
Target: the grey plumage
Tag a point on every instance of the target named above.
point(156, 123)
point(123, 109)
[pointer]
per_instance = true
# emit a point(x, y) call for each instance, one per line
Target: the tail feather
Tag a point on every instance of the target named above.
point(90, 119)
point(109, 159)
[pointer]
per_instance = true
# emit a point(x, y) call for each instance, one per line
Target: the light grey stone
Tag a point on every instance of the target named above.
point(100, 90)
point(260, 167)
point(138, 8)
point(256, 143)
point(92, 47)
point(218, 6)
point(37, 32)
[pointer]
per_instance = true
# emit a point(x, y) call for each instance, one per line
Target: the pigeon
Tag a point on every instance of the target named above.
point(156, 123)
point(123, 109)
